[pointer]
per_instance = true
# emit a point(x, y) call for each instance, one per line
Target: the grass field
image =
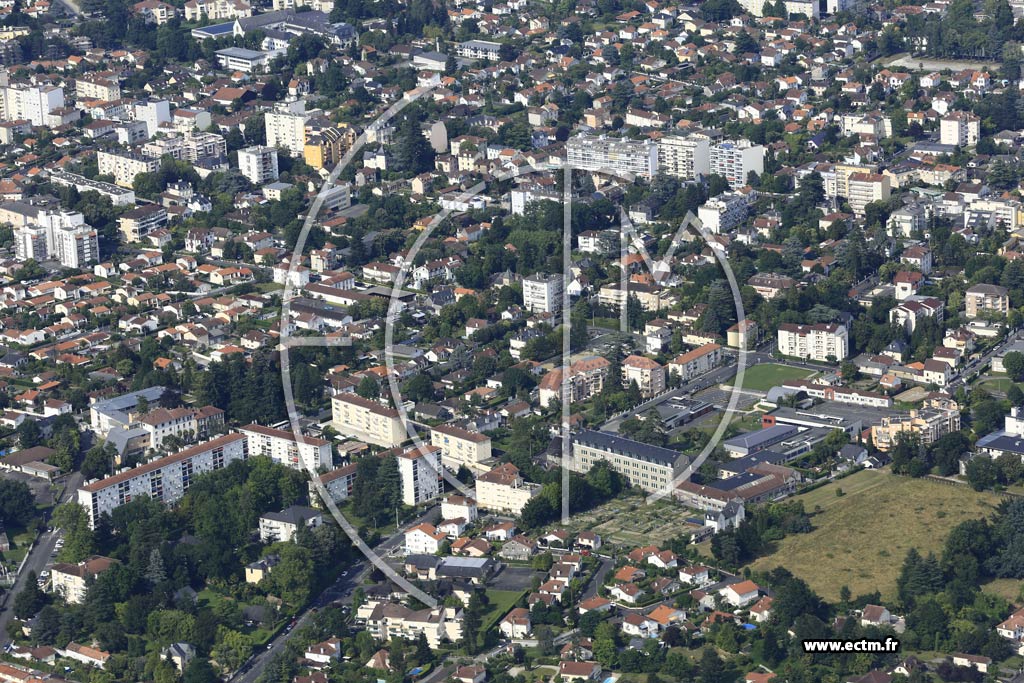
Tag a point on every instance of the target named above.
point(998, 384)
point(767, 375)
point(1008, 589)
point(860, 539)
point(501, 603)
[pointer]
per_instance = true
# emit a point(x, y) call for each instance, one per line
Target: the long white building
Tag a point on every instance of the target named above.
point(164, 479)
point(615, 155)
point(282, 447)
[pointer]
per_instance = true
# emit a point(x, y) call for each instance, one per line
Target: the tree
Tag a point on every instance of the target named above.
point(368, 388)
point(199, 670)
point(1014, 364)
point(17, 504)
point(413, 154)
point(31, 599)
point(97, 462)
point(29, 434)
point(156, 573)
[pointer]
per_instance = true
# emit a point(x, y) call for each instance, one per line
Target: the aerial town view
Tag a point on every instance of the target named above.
point(511, 341)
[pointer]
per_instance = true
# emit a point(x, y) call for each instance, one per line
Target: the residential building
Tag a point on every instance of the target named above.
point(504, 490)
point(986, 298)
point(649, 467)
point(696, 362)
point(281, 527)
point(286, 130)
point(164, 479)
point(613, 155)
point(928, 424)
point(119, 196)
point(96, 87)
point(960, 128)
point(820, 342)
point(339, 483)
point(285, 448)
point(911, 310)
point(648, 374)
point(424, 539)
point(736, 159)
point(71, 581)
point(216, 10)
point(258, 164)
point(460, 446)
point(865, 188)
point(542, 293)
point(32, 103)
point(771, 285)
point(124, 166)
point(419, 469)
point(136, 224)
point(62, 237)
point(723, 213)
point(586, 378)
point(361, 418)
point(479, 49)
point(686, 157)
point(386, 620)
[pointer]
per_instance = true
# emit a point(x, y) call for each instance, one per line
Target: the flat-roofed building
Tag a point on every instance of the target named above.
point(285, 448)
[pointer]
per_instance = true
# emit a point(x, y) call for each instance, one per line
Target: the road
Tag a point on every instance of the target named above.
point(598, 579)
point(38, 557)
point(340, 590)
point(974, 368)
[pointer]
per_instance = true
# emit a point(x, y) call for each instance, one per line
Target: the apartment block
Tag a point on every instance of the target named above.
point(694, 363)
point(986, 298)
point(284, 448)
point(124, 166)
point(648, 467)
point(360, 418)
point(960, 128)
point(928, 424)
point(504, 490)
point(339, 483)
point(460, 446)
point(819, 342)
point(542, 293)
point(216, 10)
point(164, 479)
point(30, 102)
point(58, 236)
point(135, 225)
point(586, 378)
point(258, 164)
point(94, 87)
point(684, 157)
point(618, 156)
point(420, 472)
point(71, 581)
point(648, 374)
point(735, 159)
point(724, 212)
point(286, 130)
point(865, 188)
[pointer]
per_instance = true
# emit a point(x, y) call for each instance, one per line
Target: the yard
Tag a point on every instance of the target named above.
point(500, 604)
point(860, 539)
point(767, 375)
point(260, 635)
point(1008, 589)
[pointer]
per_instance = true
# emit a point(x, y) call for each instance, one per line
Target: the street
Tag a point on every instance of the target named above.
point(37, 558)
point(340, 590)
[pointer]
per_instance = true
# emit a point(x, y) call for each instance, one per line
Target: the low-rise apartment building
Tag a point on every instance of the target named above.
point(361, 418)
point(283, 447)
point(460, 446)
point(820, 342)
point(649, 467)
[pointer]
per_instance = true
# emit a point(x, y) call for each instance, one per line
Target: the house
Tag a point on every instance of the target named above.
point(179, 654)
point(260, 569)
point(1013, 627)
point(697, 575)
point(516, 624)
point(875, 615)
point(282, 526)
point(470, 674)
point(579, 671)
point(628, 593)
point(634, 624)
point(595, 604)
point(325, 652)
point(424, 539)
point(978, 662)
point(71, 581)
point(740, 594)
point(518, 549)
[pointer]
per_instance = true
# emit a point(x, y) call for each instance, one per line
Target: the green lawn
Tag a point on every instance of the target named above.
point(1008, 589)
point(260, 636)
point(999, 384)
point(767, 375)
point(501, 603)
point(860, 539)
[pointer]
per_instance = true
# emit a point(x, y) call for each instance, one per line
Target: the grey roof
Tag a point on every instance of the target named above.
point(746, 462)
point(241, 53)
point(629, 448)
point(465, 567)
point(119, 404)
point(295, 514)
point(766, 436)
point(423, 561)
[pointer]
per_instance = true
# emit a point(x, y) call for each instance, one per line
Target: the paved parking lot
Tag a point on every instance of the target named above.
point(40, 487)
point(514, 579)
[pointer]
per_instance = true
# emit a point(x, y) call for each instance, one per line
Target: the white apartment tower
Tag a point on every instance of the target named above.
point(735, 159)
point(31, 102)
point(420, 472)
point(960, 128)
point(542, 293)
point(61, 236)
point(615, 155)
point(286, 130)
point(258, 164)
point(684, 156)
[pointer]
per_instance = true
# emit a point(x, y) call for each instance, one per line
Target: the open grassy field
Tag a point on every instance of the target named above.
point(767, 375)
point(997, 384)
point(860, 539)
point(1008, 589)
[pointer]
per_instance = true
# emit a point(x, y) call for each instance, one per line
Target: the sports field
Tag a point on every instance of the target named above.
point(861, 539)
point(767, 375)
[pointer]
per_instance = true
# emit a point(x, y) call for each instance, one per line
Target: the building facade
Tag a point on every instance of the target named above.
point(367, 420)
